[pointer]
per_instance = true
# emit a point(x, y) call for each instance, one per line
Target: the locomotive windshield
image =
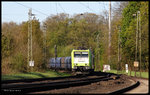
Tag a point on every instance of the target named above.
point(80, 54)
point(81, 57)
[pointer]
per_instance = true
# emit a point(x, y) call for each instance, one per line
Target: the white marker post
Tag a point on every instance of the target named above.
point(126, 66)
point(106, 68)
point(31, 63)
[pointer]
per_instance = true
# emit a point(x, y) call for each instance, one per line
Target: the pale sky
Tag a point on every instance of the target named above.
point(17, 11)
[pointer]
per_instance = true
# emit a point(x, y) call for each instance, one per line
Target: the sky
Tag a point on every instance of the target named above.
point(18, 11)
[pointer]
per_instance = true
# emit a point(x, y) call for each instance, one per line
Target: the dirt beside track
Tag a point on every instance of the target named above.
point(93, 88)
point(143, 88)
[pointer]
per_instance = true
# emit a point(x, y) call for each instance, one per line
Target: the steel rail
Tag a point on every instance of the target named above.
point(123, 90)
point(53, 85)
point(7, 86)
point(54, 78)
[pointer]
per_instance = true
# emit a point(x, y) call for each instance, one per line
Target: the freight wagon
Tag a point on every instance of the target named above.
point(63, 63)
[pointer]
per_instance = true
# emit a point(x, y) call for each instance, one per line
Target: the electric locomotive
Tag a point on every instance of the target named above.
point(80, 60)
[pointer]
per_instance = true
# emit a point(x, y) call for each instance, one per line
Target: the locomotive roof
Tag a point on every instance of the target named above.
point(80, 50)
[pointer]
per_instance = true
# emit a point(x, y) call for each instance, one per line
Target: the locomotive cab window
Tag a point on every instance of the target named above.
point(77, 55)
point(80, 54)
point(84, 54)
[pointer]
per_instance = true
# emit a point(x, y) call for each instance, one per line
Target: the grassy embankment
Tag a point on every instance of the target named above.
point(32, 75)
point(143, 74)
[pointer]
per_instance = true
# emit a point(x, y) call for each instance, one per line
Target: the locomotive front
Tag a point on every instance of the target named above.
point(81, 60)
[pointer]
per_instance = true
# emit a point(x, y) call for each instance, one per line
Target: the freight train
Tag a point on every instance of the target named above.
point(80, 60)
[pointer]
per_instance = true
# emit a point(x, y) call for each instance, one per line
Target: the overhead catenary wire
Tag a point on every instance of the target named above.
point(87, 7)
point(102, 4)
point(13, 14)
point(57, 4)
point(32, 9)
point(61, 7)
point(22, 5)
point(7, 18)
point(105, 6)
point(56, 8)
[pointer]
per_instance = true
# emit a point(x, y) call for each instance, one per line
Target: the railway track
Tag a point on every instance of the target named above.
point(132, 86)
point(36, 85)
point(20, 81)
point(35, 80)
point(32, 85)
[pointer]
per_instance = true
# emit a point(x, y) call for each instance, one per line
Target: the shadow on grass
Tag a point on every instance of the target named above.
point(11, 77)
point(60, 74)
point(29, 75)
point(37, 74)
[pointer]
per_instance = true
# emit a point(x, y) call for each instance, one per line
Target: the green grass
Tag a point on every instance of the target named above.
point(143, 74)
point(32, 75)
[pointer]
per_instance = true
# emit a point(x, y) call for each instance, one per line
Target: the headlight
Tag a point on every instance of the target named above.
point(87, 67)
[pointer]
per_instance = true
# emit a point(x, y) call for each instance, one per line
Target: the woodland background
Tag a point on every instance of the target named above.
point(81, 30)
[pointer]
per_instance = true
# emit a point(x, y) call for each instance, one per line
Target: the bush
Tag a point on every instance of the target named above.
point(6, 66)
point(19, 63)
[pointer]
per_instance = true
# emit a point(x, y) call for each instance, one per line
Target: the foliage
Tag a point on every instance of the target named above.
point(14, 46)
point(129, 25)
point(87, 30)
point(18, 62)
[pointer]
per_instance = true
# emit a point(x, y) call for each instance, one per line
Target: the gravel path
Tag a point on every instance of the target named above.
point(143, 88)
